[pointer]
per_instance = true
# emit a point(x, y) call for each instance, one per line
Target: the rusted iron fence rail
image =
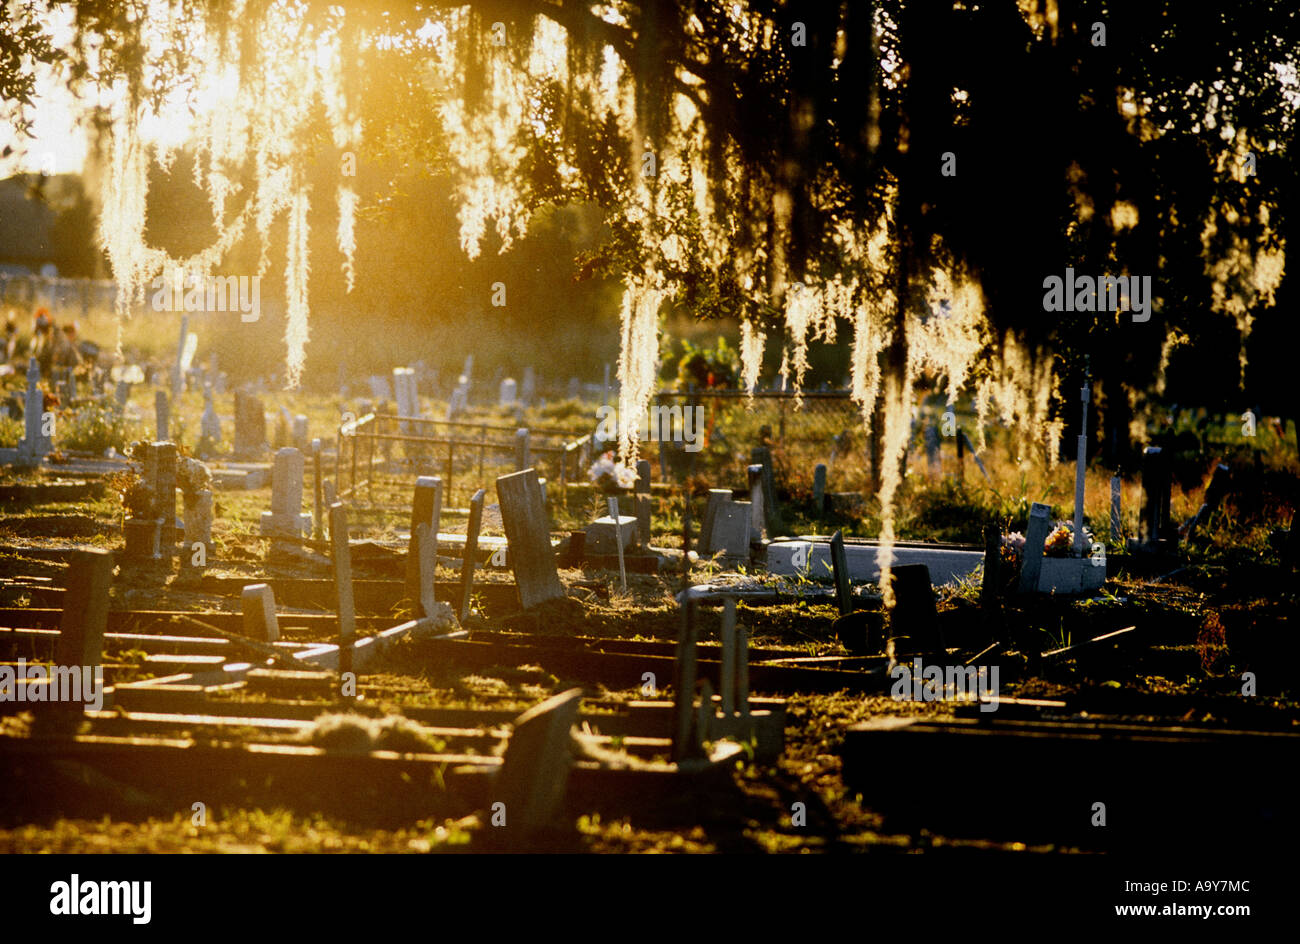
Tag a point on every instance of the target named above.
point(378, 451)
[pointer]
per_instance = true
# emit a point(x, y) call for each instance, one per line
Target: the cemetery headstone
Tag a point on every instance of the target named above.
point(250, 426)
point(1156, 496)
point(684, 667)
point(258, 603)
point(535, 769)
point(762, 456)
point(732, 530)
point(209, 425)
point(1031, 561)
point(524, 517)
point(522, 457)
point(609, 535)
point(717, 498)
point(318, 502)
point(286, 517)
point(757, 502)
point(425, 509)
point(932, 453)
point(840, 571)
point(819, 489)
point(528, 389)
point(35, 444)
point(178, 369)
point(643, 517)
point(85, 609)
point(162, 415)
point(914, 614)
point(300, 438)
point(508, 393)
point(159, 461)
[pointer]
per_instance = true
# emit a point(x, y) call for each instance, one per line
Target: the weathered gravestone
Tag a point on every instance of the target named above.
point(1031, 559)
point(81, 628)
point(258, 603)
point(459, 401)
point(35, 444)
point(757, 503)
point(732, 530)
point(1157, 529)
point(523, 514)
point(426, 509)
point(250, 426)
point(286, 517)
point(914, 614)
point(162, 415)
point(762, 456)
point(508, 394)
point(819, 489)
point(85, 608)
point(301, 439)
point(605, 535)
point(717, 498)
point(209, 425)
point(534, 772)
point(528, 389)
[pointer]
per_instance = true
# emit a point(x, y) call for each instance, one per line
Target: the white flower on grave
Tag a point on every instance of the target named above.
point(608, 475)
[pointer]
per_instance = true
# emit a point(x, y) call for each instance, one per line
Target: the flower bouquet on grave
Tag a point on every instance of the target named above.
point(1060, 543)
point(611, 477)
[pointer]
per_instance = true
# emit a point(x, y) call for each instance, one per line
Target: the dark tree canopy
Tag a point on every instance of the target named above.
point(914, 170)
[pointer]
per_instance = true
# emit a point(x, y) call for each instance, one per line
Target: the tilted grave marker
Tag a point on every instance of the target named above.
point(1031, 560)
point(85, 609)
point(524, 517)
point(258, 603)
point(840, 571)
point(535, 769)
point(426, 509)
